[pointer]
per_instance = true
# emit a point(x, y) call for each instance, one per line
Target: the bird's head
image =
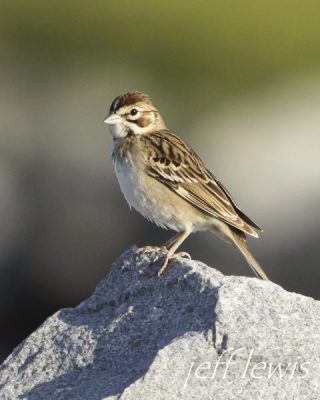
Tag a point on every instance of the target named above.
point(133, 113)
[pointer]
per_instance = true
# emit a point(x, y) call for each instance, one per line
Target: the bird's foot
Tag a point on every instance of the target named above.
point(182, 254)
point(154, 269)
point(150, 249)
point(167, 259)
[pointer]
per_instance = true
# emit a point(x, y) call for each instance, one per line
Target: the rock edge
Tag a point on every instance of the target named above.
point(194, 333)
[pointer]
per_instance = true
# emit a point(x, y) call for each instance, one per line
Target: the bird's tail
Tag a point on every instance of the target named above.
point(241, 244)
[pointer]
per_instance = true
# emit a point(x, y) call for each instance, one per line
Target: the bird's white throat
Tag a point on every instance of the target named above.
point(118, 131)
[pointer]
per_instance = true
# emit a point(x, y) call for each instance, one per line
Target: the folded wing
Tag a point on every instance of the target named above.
point(176, 165)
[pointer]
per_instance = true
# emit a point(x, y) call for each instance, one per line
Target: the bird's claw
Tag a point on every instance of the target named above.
point(150, 249)
point(182, 254)
point(154, 269)
point(168, 259)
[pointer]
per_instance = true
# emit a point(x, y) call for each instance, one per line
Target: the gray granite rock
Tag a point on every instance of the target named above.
point(192, 334)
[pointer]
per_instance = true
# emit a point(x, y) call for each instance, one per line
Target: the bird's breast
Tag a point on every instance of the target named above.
point(129, 181)
point(150, 197)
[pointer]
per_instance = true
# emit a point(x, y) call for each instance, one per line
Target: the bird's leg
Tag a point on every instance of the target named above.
point(164, 248)
point(178, 239)
point(172, 241)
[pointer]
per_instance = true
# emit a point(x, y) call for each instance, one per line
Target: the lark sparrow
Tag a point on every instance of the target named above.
point(164, 179)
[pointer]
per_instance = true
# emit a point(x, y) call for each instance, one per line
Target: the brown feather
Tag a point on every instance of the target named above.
point(177, 166)
point(241, 244)
point(128, 99)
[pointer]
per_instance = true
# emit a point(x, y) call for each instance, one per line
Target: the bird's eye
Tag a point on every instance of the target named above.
point(134, 111)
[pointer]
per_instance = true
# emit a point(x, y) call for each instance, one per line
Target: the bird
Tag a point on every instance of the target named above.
point(163, 178)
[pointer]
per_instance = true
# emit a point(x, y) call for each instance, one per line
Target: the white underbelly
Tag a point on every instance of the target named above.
point(150, 198)
point(130, 185)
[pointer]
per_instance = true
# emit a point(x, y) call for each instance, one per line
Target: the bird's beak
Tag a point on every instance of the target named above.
point(113, 119)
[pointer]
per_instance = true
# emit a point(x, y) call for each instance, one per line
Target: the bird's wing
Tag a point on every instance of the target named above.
point(176, 165)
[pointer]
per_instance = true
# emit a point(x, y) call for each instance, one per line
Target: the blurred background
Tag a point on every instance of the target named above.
point(239, 81)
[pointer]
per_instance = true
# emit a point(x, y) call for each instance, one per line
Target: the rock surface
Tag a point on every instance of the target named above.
point(191, 334)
